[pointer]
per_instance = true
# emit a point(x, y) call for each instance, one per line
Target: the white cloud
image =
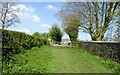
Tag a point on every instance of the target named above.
point(18, 9)
point(51, 7)
point(45, 26)
point(25, 13)
point(35, 19)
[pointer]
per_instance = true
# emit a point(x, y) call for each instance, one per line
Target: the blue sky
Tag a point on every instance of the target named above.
point(39, 17)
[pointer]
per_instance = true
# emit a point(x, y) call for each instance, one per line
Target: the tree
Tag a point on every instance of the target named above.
point(36, 34)
point(95, 17)
point(55, 33)
point(70, 20)
point(45, 35)
point(7, 15)
point(71, 27)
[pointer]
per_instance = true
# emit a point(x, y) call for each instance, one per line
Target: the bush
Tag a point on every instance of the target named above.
point(15, 42)
point(75, 43)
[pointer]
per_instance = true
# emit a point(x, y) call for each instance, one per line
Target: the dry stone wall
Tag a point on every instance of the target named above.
point(103, 49)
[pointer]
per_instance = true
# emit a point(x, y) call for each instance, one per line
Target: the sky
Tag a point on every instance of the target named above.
point(39, 17)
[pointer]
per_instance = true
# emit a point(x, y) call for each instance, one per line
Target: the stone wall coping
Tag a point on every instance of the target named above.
point(101, 41)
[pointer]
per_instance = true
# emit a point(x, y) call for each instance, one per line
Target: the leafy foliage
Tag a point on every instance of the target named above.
point(56, 33)
point(36, 34)
point(72, 27)
point(44, 37)
point(15, 42)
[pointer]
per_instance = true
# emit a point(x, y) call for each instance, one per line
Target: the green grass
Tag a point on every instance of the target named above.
point(58, 60)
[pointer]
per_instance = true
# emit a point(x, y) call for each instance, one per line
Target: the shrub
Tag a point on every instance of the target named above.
point(14, 42)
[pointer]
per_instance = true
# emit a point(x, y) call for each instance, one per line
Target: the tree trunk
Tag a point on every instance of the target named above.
point(93, 36)
point(100, 38)
point(72, 40)
point(3, 26)
point(94, 39)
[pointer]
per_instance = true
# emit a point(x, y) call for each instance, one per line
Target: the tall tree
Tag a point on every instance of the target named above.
point(55, 33)
point(70, 17)
point(95, 17)
point(7, 15)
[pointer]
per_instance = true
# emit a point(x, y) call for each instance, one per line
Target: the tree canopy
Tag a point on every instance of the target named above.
point(36, 34)
point(70, 20)
point(56, 33)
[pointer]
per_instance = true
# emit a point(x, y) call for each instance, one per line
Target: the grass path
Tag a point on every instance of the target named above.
point(74, 60)
point(58, 60)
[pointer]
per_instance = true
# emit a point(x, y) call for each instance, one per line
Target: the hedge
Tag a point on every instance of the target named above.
point(14, 42)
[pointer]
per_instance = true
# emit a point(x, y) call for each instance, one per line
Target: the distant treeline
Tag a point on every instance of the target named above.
point(14, 42)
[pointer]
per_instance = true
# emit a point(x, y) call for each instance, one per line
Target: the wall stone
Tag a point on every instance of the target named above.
point(103, 49)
